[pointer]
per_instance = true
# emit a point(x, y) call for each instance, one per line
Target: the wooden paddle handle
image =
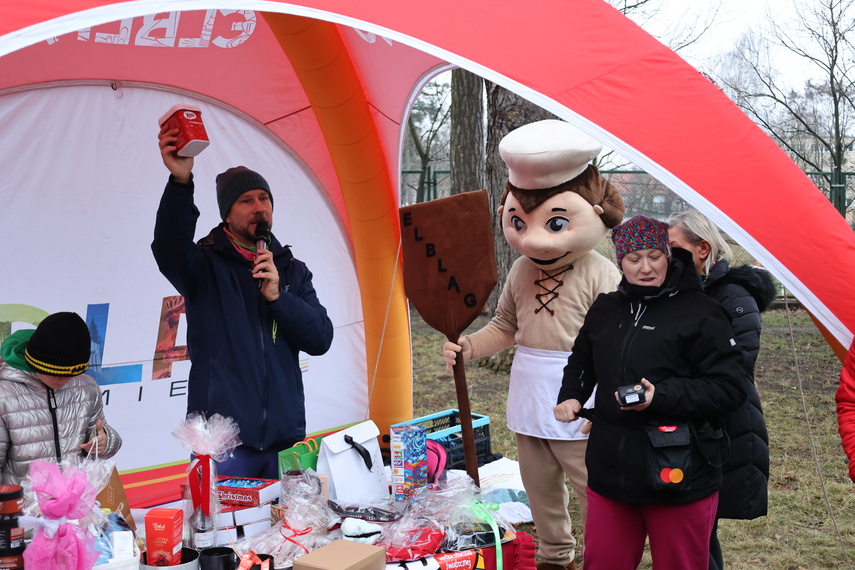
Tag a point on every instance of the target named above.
point(467, 433)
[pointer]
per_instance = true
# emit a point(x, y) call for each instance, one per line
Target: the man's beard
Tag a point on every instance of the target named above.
point(247, 232)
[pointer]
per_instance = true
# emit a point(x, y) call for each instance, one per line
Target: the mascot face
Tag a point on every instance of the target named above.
point(559, 231)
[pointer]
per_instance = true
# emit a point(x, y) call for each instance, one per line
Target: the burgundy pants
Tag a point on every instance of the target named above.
point(679, 534)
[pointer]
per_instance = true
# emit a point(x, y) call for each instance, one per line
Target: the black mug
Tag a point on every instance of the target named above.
point(218, 558)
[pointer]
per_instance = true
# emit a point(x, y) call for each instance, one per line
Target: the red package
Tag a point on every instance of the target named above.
point(250, 559)
point(246, 490)
point(163, 528)
point(518, 554)
point(420, 542)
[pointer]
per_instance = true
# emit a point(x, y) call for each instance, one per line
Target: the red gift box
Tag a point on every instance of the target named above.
point(246, 490)
point(163, 532)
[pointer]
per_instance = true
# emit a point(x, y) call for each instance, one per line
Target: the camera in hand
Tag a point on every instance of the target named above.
point(631, 394)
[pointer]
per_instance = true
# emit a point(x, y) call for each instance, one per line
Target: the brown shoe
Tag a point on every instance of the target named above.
point(551, 566)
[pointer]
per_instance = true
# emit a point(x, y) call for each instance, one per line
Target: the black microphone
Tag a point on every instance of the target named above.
point(262, 241)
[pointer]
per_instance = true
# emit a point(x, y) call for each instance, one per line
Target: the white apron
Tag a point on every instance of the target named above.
point(535, 382)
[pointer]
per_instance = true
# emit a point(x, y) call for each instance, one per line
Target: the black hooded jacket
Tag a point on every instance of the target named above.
point(681, 341)
point(744, 292)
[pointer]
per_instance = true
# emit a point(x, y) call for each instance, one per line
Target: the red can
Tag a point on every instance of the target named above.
point(11, 502)
point(192, 137)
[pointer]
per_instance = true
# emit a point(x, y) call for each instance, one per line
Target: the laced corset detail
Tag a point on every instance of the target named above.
point(550, 285)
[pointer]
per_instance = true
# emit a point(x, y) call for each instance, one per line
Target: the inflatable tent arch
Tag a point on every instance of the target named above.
point(583, 61)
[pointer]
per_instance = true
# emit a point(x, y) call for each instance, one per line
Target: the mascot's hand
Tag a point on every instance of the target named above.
point(451, 350)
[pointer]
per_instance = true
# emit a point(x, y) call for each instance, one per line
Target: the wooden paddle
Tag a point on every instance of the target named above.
point(449, 272)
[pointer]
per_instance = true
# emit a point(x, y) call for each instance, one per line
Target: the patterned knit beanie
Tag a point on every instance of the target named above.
point(638, 233)
point(232, 183)
point(60, 346)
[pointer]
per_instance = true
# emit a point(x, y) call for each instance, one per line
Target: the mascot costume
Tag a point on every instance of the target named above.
point(555, 209)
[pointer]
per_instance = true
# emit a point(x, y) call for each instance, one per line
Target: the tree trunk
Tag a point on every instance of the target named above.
point(467, 132)
point(506, 111)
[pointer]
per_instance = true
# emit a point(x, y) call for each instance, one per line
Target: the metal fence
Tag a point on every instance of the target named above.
point(836, 188)
point(642, 194)
point(423, 185)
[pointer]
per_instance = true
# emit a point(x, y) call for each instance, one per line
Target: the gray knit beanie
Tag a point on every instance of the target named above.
point(232, 183)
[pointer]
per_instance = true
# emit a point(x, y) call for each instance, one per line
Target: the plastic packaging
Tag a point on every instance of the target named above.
point(451, 510)
point(62, 495)
point(210, 440)
point(192, 135)
point(306, 518)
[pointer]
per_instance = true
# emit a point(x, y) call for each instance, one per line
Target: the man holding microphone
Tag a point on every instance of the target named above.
point(250, 310)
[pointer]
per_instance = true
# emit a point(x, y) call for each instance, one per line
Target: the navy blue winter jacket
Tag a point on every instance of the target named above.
point(243, 349)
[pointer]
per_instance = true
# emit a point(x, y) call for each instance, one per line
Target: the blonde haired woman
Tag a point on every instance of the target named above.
point(744, 292)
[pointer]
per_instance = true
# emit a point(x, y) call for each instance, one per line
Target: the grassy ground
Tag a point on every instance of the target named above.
point(811, 520)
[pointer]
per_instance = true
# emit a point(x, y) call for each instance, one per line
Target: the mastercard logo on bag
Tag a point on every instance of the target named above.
point(669, 475)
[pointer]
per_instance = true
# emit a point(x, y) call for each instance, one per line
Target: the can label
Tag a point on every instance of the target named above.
point(12, 562)
point(11, 537)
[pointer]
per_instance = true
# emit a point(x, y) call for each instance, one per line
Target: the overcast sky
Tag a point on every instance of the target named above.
point(734, 18)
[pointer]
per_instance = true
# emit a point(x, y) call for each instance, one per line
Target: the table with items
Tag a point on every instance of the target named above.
point(336, 506)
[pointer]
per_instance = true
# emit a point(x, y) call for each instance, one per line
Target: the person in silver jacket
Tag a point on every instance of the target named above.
point(50, 409)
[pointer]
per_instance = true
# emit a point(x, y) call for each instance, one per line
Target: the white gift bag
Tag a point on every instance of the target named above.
point(351, 459)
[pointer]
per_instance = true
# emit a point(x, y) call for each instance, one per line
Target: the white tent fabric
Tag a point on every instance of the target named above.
point(106, 219)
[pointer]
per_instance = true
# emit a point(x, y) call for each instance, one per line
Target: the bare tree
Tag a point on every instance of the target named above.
point(676, 23)
point(475, 162)
point(506, 112)
point(467, 131)
point(813, 122)
point(427, 142)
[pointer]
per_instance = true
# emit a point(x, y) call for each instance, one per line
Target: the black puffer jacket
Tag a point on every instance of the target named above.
point(680, 340)
point(745, 292)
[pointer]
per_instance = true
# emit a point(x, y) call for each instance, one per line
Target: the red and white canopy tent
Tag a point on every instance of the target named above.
point(314, 94)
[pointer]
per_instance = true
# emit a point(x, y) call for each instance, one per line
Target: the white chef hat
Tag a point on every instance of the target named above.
point(546, 153)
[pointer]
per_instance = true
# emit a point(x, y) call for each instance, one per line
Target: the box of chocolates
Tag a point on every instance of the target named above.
point(247, 491)
point(163, 533)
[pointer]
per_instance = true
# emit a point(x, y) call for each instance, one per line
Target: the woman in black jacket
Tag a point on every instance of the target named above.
point(654, 467)
point(745, 292)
